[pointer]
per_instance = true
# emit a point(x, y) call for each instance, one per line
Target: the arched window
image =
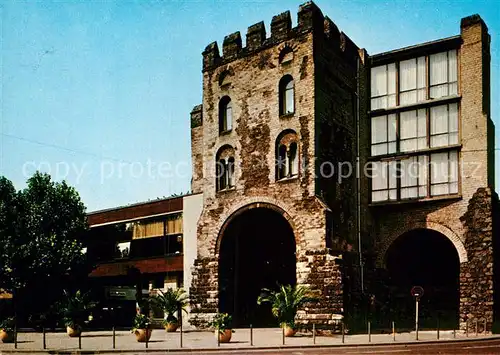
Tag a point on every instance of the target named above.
point(225, 114)
point(225, 168)
point(287, 162)
point(286, 92)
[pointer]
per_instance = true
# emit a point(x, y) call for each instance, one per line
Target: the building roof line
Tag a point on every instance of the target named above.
point(415, 46)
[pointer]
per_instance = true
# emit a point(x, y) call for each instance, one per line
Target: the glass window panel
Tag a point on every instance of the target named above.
point(408, 74)
point(289, 100)
point(379, 196)
point(408, 97)
point(378, 81)
point(438, 68)
point(229, 117)
point(439, 168)
point(421, 73)
point(391, 78)
point(452, 67)
point(379, 129)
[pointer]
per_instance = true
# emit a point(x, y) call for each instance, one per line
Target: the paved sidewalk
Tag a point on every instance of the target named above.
point(196, 340)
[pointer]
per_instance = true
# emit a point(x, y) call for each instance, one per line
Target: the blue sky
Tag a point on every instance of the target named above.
point(99, 92)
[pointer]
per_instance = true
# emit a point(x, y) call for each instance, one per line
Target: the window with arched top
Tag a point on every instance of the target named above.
point(287, 155)
point(286, 93)
point(225, 114)
point(225, 168)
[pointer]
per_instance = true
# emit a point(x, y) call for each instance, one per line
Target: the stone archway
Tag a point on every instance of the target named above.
point(256, 249)
point(426, 258)
point(445, 231)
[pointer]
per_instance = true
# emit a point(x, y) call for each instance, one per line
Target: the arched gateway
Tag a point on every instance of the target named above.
point(426, 258)
point(256, 249)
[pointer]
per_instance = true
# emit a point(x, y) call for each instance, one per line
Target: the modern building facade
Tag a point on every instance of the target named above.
point(141, 248)
point(354, 174)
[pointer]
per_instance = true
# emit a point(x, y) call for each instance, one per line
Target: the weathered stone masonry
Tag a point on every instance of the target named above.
point(331, 119)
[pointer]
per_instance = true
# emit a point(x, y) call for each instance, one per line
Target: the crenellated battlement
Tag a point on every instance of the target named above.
point(310, 19)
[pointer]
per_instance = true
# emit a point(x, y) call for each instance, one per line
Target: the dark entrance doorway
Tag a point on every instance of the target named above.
point(257, 251)
point(425, 258)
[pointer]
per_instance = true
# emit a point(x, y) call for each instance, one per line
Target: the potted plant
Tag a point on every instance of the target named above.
point(222, 323)
point(284, 304)
point(7, 330)
point(141, 328)
point(171, 301)
point(75, 309)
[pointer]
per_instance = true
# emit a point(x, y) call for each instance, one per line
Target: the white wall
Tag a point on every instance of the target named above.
point(193, 205)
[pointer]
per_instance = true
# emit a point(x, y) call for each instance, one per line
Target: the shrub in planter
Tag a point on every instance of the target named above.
point(284, 304)
point(222, 323)
point(75, 309)
point(171, 302)
point(141, 328)
point(7, 330)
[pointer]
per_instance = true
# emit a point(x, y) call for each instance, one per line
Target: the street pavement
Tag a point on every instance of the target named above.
point(268, 341)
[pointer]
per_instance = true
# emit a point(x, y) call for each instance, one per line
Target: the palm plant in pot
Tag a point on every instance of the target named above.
point(171, 302)
point(75, 309)
point(284, 304)
point(141, 328)
point(222, 323)
point(7, 330)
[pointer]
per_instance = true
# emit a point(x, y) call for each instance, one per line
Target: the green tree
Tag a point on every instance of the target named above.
point(41, 230)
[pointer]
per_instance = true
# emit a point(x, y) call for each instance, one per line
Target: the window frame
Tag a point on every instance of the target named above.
point(285, 86)
point(397, 80)
point(225, 120)
point(428, 123)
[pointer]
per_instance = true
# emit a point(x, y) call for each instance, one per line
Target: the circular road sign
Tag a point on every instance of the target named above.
point(417, 291)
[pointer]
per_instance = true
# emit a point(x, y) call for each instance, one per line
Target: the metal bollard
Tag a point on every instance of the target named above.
point(438, 329)
point(477, 330)
point(283, 333)
point(343, 332)
point(369, 332)
point(251, 335)
point(393, 332)
point(218, 337)
point(80, 340)
point(181, 335)
point(314, 333)
point(114, 337)
point(147, 333)
point(15, 335)
point(454, 333)
point(44, 339)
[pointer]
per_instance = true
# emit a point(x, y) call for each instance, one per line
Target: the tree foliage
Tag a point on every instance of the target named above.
point(41, 230)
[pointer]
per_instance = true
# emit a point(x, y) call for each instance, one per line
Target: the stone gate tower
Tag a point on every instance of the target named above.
point(273, 112)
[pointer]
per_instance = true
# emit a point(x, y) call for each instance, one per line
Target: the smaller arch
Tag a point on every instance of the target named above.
point(224, 77)
point(286, 55)
point(286, 95)
point(225, 114)
point(445, 231)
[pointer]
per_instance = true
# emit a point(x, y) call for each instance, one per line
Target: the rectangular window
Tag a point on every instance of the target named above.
point(384, 134)
point(229, 118)
point(443, 74)
point(414, 177)
point(384, 184)
point(413, 130)
point(383, 86)
point(412, 88)
point(444, 173)
point(289, 100)
point(122, 250)
point(444, 125)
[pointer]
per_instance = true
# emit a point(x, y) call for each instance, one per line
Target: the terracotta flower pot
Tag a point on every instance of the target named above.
point(171, 327)
point(289, 331)
point(142, 334)
point(74, 332)
point(225, 336)
point(6, 337)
